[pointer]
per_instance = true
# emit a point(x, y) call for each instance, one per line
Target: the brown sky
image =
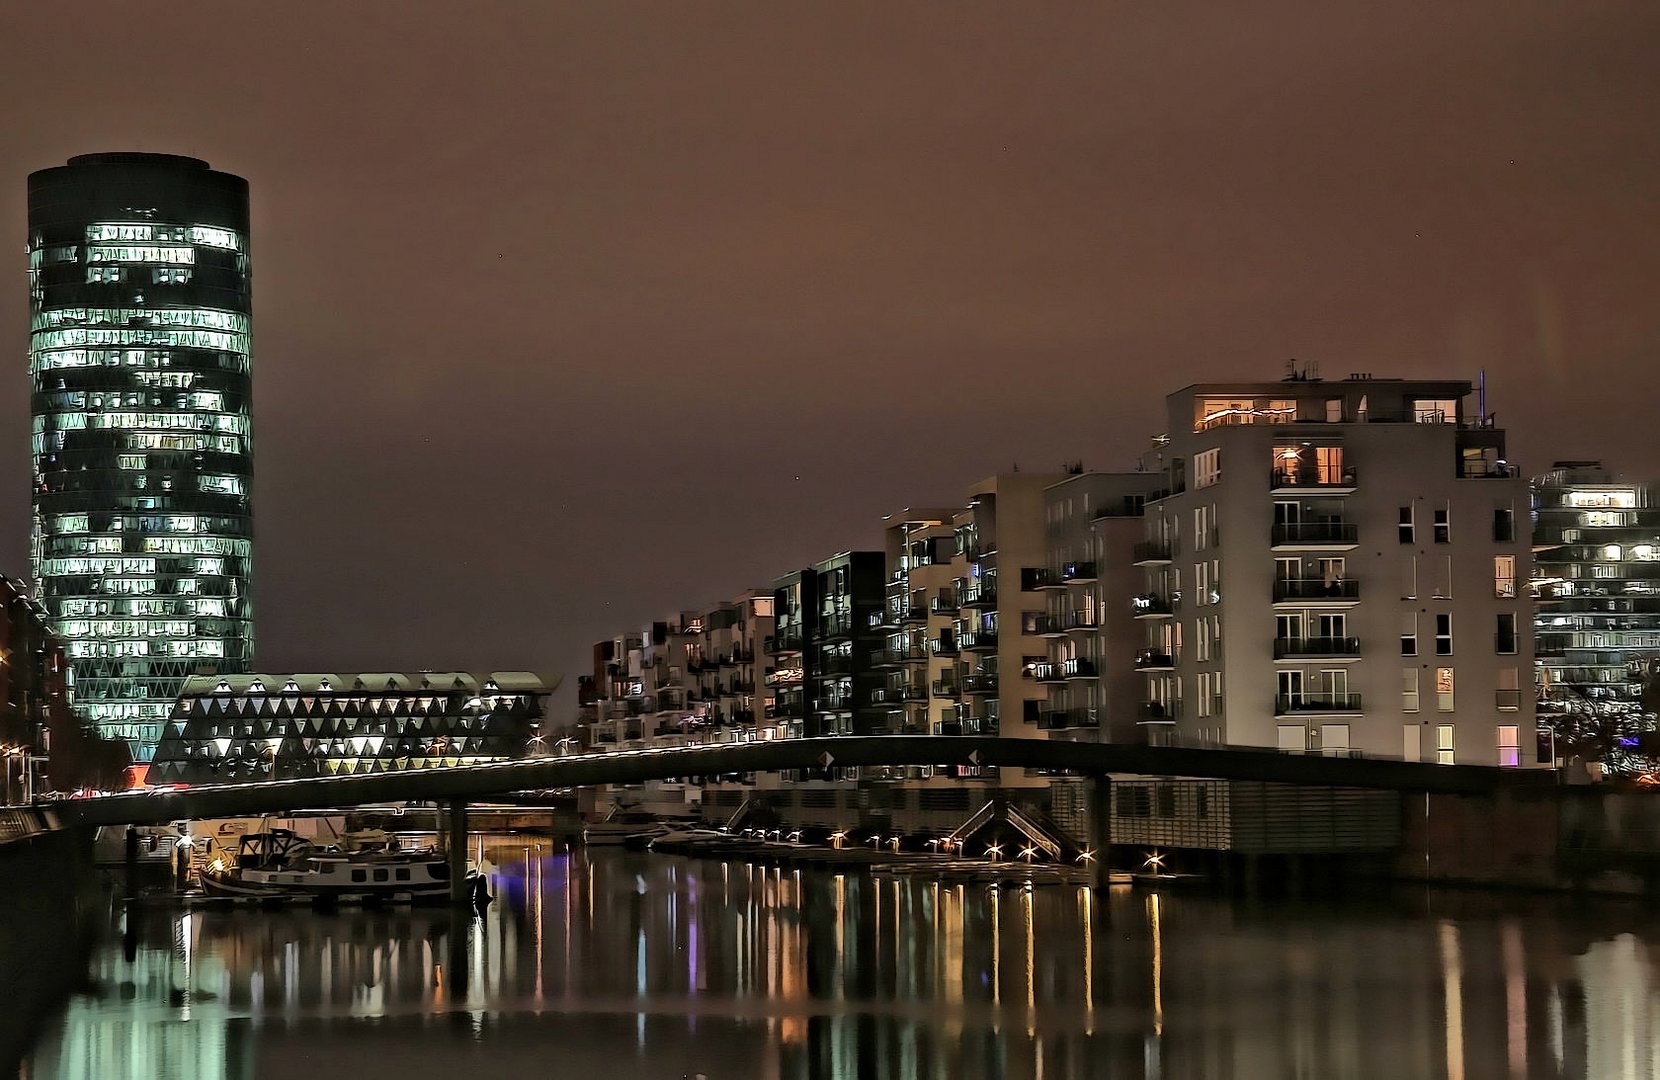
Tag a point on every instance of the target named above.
point(570, 316)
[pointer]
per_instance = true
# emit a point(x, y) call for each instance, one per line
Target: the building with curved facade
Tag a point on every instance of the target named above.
point(139, 359)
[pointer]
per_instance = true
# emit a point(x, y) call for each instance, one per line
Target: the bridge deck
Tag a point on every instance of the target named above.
point(635, 766)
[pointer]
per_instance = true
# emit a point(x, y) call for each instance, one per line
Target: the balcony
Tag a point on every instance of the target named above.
point(1158, 712)
point(1324, 480)
point(1317, 648)
point(1077, 622)
point(915, 613)
point(1334, 534)
point(980, 684)
point(946, 688)
point(977, 641)
point(1154, 660)
point(944, 645)
point(893, 657)
point(837, 665)
point(1323, 704)
point(1078, 667)
point(1151, 606)
point(1033, 578)
point(1048, 626)
point(978, 596)
point(882, 619)
point(1065, 719)
point(785, 641)
point(1154, 552)
point(837, 626)
point(1316, 592)
point(944, 604)
point(1078, 573)
point(1048, 671)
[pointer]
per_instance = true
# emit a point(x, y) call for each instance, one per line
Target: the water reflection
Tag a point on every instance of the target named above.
point(651, 966)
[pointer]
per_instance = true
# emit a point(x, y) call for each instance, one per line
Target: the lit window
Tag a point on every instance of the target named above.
point(1444, 689)
point(1504, 577)
point(1444, 744)
point(1510, 745)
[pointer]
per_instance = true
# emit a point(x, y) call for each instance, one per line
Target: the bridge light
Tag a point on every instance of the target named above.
point(1086, 856)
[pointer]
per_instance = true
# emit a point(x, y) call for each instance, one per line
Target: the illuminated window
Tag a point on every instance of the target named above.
point(1207, 468)
point(1444, 689)
point(1444, 744)
point(1510, 745)
point(1504, 577)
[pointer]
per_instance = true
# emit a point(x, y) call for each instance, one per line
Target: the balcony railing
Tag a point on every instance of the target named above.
point(1151, 606)
point(1154, 660)
point(1314, 534)
point(980, 684)
point(1296, 648)
point(1063, 719)
point(1078, 572)
point(944, 604)
point(1078, 667)
point(1158, 712)
point(944, 645)
point(1033, 578)
point(914, 614)
point(1154, 551)
point(1286, 705)
point(1048, 625)
point(1076, 621)
point(1048, 671)
point(1313, 476)
point(946, 688)
point(977, 640)
point(782, 642)
point(1314, 590)
point(881, 618)
point(978, 596)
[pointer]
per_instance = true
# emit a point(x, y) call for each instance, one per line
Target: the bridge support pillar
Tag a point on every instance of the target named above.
point(131, 866)
point(1100, 829)
point(456, 850)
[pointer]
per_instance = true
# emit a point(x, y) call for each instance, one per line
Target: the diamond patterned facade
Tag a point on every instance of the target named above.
point(279, 727)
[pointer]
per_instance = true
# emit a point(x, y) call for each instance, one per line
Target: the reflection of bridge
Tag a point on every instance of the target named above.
point(635, 766)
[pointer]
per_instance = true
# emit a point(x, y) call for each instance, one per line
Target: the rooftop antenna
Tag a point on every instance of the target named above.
point(1481, 395)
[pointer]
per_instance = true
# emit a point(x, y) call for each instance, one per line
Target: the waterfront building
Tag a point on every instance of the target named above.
point(1340, 560)
point(726, 660)
point(1596, 584)
point(227, 728)
point(826, 643)
point(1096, 606)
point(139, 360)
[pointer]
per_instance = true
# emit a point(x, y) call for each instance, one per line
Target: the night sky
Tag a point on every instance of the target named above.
point(568, 317)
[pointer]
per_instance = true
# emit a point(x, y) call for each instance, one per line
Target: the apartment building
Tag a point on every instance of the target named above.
point(825, 647)
point(1596, 584)
point(726, 661)
point(921, 688)
point(1093, 627)
point(1333, 569)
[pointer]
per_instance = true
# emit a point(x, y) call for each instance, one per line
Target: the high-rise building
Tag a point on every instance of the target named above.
point(1338, 566)
point(139, 355)
point(1596, 580)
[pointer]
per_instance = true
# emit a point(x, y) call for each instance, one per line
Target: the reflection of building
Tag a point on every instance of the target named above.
point(1596, 580)
point(274, 727)
point(139, 355)
point(1347, 557)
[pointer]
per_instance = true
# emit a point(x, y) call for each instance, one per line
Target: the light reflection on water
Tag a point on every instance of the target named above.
point(649, 966)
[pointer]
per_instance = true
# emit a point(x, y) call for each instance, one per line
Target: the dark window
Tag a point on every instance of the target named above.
point(1504, 640)
point(1167, 800)
point(1443, 633)
point(360, 875)
point(1201, 802)
point(382, 875)
point(1443, 527)
point(1405, 526)
point(402, 873)
point(1504, 526)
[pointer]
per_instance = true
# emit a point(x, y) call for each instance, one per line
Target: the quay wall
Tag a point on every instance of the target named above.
point(50, 908)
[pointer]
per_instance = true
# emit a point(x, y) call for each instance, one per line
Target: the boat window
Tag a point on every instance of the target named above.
point(381, 875)
point(360, 875)
point(440, 871)
point(403, 873)
point(326, 868)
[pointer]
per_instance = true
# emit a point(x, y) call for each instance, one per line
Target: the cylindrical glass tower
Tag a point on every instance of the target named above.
point(139, 354)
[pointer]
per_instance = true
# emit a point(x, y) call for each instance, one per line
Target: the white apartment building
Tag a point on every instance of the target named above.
point(1334, 569)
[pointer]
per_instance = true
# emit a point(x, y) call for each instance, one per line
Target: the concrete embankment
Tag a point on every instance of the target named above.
point(50, 907)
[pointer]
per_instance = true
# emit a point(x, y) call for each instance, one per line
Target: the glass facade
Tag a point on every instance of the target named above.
point(139, 359)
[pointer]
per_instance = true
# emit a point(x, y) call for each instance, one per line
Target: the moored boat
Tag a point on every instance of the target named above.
point(278, 865)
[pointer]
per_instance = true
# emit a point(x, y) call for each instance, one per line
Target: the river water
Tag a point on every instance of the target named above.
point(616, 965)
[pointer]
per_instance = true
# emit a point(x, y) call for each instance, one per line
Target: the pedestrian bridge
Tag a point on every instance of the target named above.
point(480, 782)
